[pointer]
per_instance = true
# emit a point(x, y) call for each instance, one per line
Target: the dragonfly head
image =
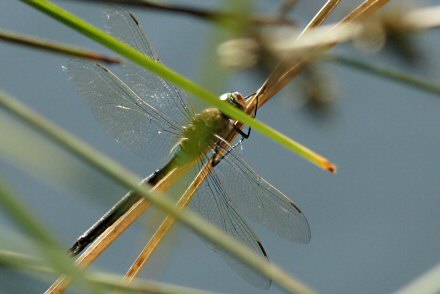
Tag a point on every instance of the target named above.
point(235, 98)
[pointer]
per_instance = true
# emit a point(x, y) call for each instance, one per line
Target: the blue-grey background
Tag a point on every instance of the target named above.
point(375, 224)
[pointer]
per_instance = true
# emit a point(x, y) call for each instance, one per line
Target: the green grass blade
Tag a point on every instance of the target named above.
point(428, 283)
point(46, 244)
point(391, 74)
point(129, 180)
point(103, 281)
point(49, 163)
point(161, 70)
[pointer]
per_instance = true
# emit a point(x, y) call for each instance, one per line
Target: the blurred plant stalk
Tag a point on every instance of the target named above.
point(51, 46)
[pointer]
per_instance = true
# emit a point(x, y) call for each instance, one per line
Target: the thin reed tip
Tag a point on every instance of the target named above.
point(330, 167)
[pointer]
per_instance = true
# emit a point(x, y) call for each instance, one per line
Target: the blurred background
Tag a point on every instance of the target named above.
point(375, 224)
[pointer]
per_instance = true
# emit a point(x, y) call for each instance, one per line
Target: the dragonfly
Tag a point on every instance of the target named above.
point(152, 118)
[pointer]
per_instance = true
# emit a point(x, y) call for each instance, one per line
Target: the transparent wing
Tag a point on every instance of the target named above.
point(131, 120)
point(153, 89)
point(214, 204)
point(260, 201)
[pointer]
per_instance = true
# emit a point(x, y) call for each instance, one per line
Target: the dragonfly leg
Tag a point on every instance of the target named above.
point(243, 134)
point(243, 137)
point(238, 130)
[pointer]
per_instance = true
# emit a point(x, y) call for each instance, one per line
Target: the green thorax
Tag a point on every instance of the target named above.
point(200, 135)
point(203, 133)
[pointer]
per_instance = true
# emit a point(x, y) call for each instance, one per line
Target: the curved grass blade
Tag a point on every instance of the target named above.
point(128, 179)
point(182, 82)
point(428, 283)
point(46, 244)
point(52, 46)
point(103, 281)
point(394, 75)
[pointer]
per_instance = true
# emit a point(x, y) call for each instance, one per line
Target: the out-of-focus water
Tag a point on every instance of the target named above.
point(374, 224)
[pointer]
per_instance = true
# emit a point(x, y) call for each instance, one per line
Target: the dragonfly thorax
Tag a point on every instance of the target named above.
point(203, 133)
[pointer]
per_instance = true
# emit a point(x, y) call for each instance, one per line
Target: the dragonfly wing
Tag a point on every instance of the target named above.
point(171, 101)
point(262, 202)
point(130, 119)
point(214, 204)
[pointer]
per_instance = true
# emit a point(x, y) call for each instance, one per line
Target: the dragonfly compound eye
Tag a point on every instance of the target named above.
point(235, 98)
point(239, 100)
